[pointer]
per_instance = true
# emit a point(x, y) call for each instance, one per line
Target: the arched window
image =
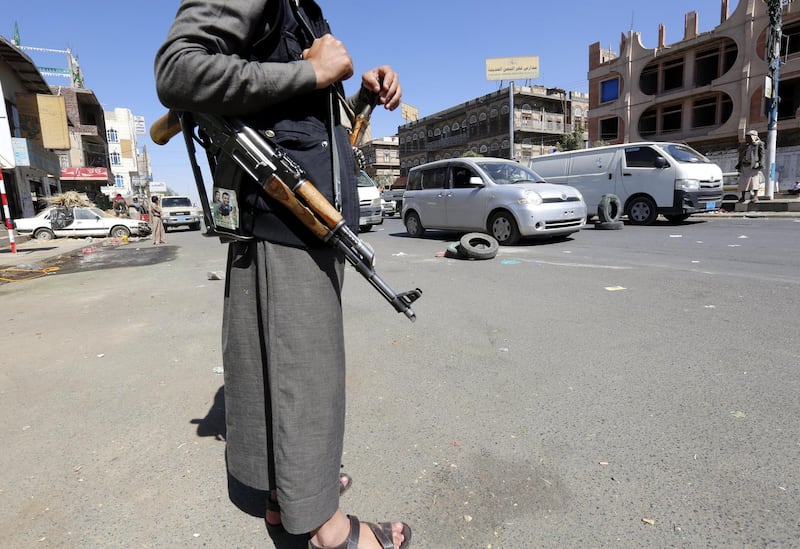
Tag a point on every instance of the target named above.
point(116, 159)
point(112, 136)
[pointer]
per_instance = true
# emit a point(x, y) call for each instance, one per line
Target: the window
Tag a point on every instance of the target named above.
point(609, 90)
point(461, 177)
point(13, 119)
point(434, 178)
point(790, 39)
point(647, 122)
point(704, 112)
point(713, 62)
point(116, 159)
point(84, 213)
point(671, 118)
point(609, 129)
point(112, 136)
point(641, 157)
point(648, 80)
point(673, 74)
point(119, 181)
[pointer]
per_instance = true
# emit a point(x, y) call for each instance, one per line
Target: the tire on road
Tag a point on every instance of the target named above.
point(609, 225)
point(478, 246)
point(454, 251)
point(609, 208)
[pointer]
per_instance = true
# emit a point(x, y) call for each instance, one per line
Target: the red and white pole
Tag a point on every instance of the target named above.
point(7, 215)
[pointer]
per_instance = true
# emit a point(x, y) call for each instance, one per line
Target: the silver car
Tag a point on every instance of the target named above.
point(493, 195)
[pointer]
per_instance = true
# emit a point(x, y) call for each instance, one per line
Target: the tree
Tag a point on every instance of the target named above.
point(571, 141)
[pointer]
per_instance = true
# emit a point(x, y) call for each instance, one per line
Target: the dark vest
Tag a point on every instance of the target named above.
point(301, 127)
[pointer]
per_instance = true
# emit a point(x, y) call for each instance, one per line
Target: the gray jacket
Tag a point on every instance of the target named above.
point(207, 64)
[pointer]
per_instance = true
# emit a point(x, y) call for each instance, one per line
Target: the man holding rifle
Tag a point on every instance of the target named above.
point(274, 64)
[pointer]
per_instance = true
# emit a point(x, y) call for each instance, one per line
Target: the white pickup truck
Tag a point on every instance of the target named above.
point(178, 211)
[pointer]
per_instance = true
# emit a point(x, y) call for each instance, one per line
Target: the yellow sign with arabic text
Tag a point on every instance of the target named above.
point(512, 68)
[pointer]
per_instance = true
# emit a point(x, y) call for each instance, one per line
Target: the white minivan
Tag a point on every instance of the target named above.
point(649, 178)
point(370, 211)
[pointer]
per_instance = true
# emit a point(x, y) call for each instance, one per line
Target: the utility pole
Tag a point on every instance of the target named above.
point(773, 47)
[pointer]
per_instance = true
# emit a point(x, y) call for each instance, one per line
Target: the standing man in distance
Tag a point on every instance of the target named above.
point(750, 165)
point(275, 64)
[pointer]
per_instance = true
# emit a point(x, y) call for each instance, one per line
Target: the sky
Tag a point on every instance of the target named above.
point(438, 48)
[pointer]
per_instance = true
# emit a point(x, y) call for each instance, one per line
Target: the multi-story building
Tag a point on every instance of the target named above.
point(30, 171)
point(85, 165)
point(382, 160)
point(706, 90)
point(541, 116)
point(123, 152)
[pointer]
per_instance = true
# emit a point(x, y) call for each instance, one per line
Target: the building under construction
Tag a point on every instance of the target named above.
point(706, 90)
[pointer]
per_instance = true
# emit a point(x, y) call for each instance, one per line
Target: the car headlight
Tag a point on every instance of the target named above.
point(687, 184)
point(530, 198)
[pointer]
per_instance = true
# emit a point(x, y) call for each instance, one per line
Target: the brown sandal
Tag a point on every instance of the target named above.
point(382, 532)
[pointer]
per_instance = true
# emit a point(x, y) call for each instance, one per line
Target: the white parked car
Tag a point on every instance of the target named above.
point(497, 196)
point(78, 221)
point(370, 210)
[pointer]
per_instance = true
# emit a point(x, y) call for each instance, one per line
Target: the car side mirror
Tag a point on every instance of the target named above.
point(661, 162)
point(476, 181)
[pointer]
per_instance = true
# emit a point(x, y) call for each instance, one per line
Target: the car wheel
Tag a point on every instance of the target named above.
point(44, 234)
point(609, 208)
point(364, 228)
point(414, 226)
point(196, 226)
point(119, 231)
point(642, 211)
point(478, 246)
point(503, 227)
point(680, 218)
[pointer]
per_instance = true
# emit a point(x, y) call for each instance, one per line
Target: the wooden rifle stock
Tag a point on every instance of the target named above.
point(165, 128)
point(283, 180)
point(361, 120)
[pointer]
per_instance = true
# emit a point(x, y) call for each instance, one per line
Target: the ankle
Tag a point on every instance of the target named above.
point(333, 532)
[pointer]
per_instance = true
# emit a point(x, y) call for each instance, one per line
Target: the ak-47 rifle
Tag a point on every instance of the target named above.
point(283, 180)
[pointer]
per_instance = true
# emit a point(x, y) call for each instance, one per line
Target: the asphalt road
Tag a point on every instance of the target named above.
point(633, 388)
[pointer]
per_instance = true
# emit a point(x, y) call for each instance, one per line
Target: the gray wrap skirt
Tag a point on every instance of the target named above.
point(284, 361)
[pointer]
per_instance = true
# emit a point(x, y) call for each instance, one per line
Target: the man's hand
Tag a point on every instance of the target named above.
point(385, 83)
point(330, 60)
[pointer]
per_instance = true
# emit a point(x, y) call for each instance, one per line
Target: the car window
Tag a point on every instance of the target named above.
point(414, 182)
point(461, 175)
point(641, 157)
point(176, 202)
point(363, 180)
point(508, 173)
point(682, 153)
point(434, 178)
point(82, 213)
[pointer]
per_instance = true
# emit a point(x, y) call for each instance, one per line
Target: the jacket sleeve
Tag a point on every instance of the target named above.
point(202, 65)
